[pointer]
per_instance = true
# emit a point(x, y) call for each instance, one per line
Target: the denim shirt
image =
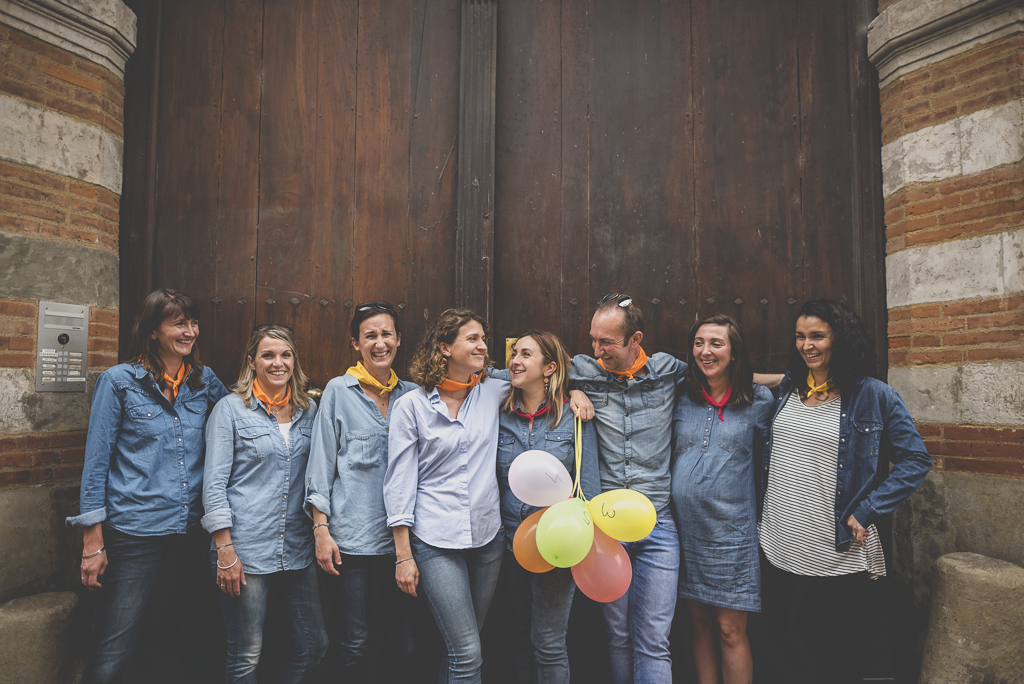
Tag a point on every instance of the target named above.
point(634, 423)
point(514, 437)
point(875, 429)
point(253, 484)
point(440, 479)
point(345, 475)
point(143, 471)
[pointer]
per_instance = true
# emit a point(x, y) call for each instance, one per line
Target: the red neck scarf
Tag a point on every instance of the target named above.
point(717, 404)
point(641, 361)
point(450, 385)
point(175, 382)
point(539, 412)
point(274, 403)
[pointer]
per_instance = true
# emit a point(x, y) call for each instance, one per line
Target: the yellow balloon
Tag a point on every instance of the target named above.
point(623, 514)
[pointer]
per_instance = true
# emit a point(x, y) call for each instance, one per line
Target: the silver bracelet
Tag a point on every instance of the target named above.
point(95, 553)
point(403, 560)
point(229, 567)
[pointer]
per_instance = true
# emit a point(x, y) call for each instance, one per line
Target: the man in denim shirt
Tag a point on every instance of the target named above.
point(634, 399)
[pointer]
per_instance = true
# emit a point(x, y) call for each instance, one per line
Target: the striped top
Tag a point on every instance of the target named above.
point(797, 526)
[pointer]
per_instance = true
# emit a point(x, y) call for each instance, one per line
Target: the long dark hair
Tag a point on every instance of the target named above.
point(853, 352)
point(429, 367)
point(741, 369)
point(159, 305)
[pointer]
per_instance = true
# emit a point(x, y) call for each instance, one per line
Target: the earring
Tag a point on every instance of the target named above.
point(547, 383)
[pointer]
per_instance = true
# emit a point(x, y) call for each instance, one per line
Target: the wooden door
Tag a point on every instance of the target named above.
point(289, 159)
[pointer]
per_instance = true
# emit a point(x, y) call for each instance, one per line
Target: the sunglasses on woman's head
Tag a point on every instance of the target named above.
point(369, 306)
point(622, 300)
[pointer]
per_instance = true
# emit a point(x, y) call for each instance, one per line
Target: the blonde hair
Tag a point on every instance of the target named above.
point(429, 367)
point(247, 375)
point(558, 386)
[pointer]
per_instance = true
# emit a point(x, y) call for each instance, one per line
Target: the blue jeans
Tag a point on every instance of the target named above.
point(365, 608)
point(540, 605)
point(244, 616)
point(458, 585)
point(639, 623)
point(136, 565)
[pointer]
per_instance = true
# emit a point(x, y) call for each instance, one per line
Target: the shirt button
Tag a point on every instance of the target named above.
point(840, 466)
point(286, 496)
point(179, 439)
point(282, 536)
point(286, 479)
point(149, 415)
point(627, 438)
point(181, 463)
point(288, 460)
point(175, 417)
point(842, 440)
point(182, 484)
point(627, 461)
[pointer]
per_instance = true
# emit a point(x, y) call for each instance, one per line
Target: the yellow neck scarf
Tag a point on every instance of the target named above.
point(360, 373)
point(823, 388)
point(641, 361)
point(274, 403)
point(174, 383)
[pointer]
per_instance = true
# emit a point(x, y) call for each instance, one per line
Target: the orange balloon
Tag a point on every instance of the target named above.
point(524, 545)
point(604, 575)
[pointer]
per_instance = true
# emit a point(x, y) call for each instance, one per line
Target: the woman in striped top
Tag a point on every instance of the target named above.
point(826, 480)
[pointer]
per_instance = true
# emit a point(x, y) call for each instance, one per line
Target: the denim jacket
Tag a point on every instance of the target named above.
point(514, 437)
point(875, 429)
point(254, 484)
point(634, 423)
point(345, 475)
point(143, 470)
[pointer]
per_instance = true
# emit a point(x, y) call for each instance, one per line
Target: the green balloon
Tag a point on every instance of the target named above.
point(565, 533)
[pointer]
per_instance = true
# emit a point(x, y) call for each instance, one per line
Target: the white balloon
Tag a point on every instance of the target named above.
point(539, 479)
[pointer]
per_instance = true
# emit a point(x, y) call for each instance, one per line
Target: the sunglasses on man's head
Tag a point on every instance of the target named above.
point(622, 300)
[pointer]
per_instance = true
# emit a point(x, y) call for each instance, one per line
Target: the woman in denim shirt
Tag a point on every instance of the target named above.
point(720, 415)
point(345, 499)
point(535, 417)
point(142, 476)
point(257, 445)
point(826, 481)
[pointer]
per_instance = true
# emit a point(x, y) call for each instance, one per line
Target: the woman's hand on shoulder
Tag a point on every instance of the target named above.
point(327, 552)
point(408, 576)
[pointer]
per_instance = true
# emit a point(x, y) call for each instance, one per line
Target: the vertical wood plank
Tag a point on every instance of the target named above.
point(474, 248)
point(748, 186)
point(641, 161)
point(234, 241)
point(528, 212)
point(284, 252)
point(428, 263)
point(334, 190)
point(382, 151)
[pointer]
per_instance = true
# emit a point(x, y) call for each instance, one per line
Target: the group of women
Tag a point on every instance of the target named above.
point(416, 474)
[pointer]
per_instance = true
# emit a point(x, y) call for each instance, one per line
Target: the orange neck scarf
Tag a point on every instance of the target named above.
point(175, 382)
point(258, 392)
point(450, 385)
point(641, 361)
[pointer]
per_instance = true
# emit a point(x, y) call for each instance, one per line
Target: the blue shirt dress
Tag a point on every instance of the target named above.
point(714, 499)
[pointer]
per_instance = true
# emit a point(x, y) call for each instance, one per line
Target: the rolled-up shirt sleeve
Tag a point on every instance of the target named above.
point(104, 427)
point(220, 456)
point(401, 480)
point(322, 467)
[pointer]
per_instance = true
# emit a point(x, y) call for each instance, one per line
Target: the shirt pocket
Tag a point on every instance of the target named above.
point(651, 394)
point(732, 435)
point(144, 420)
point(868, 434)
point(365, 449)
point(597, 394)
point(685, 433)
point(561, 446)
point(506, 453)
point(255, 441)
point(196, 412)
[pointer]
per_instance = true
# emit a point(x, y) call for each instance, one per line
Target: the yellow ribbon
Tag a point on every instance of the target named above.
point(577, 489)
point(823, 388)
point(360, 373)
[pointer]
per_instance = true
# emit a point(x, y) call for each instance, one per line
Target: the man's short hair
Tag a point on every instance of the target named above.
point(632, 317)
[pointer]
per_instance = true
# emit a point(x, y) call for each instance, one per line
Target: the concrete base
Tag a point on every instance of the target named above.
point(39, 552)
point(977, 619)
point(35, 639)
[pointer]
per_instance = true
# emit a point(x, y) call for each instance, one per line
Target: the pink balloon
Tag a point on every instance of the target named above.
point(604, 575)
point(539, 479)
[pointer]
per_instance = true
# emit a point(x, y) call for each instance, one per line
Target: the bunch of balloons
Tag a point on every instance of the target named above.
point(571, 532)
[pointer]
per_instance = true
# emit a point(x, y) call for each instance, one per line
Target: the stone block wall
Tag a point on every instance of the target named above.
point(61, 155)
point(951, 78)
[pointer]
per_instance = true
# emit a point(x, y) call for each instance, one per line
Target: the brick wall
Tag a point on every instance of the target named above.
point(61, 226)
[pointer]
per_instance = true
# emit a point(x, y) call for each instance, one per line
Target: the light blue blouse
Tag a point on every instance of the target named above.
point(440, 479)
point(253, 483)
point(345, 475)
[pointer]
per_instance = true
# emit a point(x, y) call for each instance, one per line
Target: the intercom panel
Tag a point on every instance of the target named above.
point(62, 347)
